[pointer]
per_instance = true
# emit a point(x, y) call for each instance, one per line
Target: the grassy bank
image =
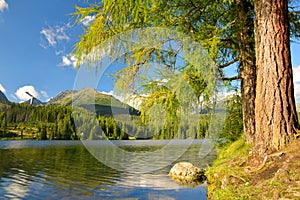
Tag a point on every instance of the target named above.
point(236, 174)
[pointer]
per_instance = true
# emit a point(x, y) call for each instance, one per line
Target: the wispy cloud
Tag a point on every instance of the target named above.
point(44, 94)
point(3, 5)
point(2, 89)
point(23, 96)
point(87, 20)
point(57, 37)
point(54, 35)
point(59, 52)
point(67, 61)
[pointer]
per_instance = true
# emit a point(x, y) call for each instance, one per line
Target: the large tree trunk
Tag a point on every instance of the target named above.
point(247, 66)
point(275, 110)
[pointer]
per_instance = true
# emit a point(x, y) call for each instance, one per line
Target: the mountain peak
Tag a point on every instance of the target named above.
point(91, 99)
point(84, 96)
point(3, 97)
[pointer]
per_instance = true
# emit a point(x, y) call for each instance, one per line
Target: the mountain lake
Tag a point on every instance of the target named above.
point(136, 169)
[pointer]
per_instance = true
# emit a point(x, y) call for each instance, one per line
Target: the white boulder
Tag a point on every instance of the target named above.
point(187, 171)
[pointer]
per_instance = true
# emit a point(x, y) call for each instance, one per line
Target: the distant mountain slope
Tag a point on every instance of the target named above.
point(63, 98)
point(3, 97)
point(90, 99)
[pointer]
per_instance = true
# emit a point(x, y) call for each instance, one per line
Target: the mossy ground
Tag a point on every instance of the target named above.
point(237, 174)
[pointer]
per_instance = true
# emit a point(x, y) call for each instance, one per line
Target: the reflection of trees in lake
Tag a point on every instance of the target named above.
point(67, 167)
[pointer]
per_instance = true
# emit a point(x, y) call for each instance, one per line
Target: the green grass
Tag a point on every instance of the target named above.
point(225, 167)
point(231, 151)
point(234, 175)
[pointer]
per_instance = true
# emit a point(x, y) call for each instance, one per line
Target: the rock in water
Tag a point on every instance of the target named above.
point(187, 171)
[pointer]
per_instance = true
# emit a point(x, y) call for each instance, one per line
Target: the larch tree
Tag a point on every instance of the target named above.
point(275, 110)
point(224, 27)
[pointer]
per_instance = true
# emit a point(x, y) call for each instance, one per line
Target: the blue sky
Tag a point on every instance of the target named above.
point(36, 38)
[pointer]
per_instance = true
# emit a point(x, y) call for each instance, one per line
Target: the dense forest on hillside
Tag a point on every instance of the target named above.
point(36, 122)
point(56, 122)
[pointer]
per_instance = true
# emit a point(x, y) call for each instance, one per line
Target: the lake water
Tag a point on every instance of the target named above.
point(75, 169)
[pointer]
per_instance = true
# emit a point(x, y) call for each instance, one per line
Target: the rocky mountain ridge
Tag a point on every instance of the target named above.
point(88, 98)
point(3, 97)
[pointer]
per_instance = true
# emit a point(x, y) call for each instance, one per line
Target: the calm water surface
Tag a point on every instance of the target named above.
point(67, 170)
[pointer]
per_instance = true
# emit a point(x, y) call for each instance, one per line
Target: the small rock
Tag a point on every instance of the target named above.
point(187, 171)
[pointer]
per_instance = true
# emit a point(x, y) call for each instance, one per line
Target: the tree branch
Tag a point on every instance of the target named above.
point(231, 78)
point(227, 64)
point(193, 4)
point(295, 12)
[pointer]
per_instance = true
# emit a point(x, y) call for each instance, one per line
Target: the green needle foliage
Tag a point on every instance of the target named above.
point(220, 26)
point(200, 21)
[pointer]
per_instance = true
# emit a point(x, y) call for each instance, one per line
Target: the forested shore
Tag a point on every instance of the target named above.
point(56, 122)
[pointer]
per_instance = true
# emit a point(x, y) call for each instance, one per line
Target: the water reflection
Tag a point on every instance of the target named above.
point(66, 170)
point(147, 155)
point(19, 187)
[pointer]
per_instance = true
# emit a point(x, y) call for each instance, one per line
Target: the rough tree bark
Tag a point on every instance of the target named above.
point(275, 110)
point(247, 66)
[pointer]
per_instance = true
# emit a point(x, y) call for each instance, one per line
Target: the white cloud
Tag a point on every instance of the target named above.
point(3, 5)
point(296, 76)
point(108, 93)
point(87, 20)
point(44, 94)
point(2, 89)
point(297, 92)
point(23, 96)
point(50, 36)
point(54, 34)
point(68, 61)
